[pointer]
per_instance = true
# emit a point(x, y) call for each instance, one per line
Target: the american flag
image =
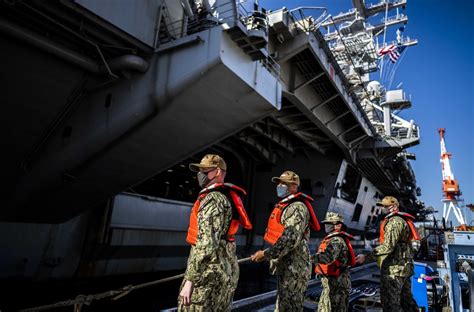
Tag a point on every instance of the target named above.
point(393, 52)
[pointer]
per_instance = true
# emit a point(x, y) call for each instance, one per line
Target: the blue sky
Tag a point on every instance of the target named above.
point(438, 73)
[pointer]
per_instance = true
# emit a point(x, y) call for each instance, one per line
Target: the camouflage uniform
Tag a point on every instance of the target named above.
point(290, 259)
point(335, 295)
point(332, 256)
point(397, 267)
point(212, 262)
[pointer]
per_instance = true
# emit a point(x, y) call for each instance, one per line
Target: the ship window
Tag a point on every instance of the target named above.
point(351, 184)
point(368, 221)
point(357, 212)
point(373, 209)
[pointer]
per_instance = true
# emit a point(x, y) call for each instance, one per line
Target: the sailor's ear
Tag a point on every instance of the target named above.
point(222, 172)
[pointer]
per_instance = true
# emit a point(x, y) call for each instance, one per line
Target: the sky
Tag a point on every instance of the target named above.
point(438, 74)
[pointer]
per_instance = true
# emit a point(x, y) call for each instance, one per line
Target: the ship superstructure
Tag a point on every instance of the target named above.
point(123, 95)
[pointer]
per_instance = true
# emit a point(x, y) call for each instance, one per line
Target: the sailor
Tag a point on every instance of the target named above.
point(212, 273)
point(332, 261)
point(204, 7)
point(394, 256)
point(288, 233)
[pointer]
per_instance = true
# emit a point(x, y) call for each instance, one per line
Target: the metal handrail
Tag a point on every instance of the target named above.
point(249, 19)
point(393, 18)
point(317, 22)
point(232, 11)
point(192, 23)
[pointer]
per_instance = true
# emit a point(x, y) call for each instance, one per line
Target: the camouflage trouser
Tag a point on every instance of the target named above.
point(215, 291)
point(395, 293)
point(290, 295)
point(292, 283)
point(335, 295)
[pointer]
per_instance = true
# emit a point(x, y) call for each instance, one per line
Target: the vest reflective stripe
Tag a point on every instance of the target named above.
point(275, 228)
point(408, 219)
point(334, 269)
point(231, 191)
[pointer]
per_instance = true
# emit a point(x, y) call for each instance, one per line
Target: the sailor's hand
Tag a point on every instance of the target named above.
point(186, 293)
point(259, 256)
point(360, 259)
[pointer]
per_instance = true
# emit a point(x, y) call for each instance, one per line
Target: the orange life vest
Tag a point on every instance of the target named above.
point(239, 215)
point(334, 268)
point(408, 219)
point(275, 228)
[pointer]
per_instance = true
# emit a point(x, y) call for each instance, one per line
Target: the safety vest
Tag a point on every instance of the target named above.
point(275, 228)
point(239, 215)
point(334, 268)
point(408, 219)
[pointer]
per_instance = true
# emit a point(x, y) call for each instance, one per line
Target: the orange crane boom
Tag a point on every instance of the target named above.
point(451, 190)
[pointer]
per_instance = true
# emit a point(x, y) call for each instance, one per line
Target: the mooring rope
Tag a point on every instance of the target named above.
point(81, 300)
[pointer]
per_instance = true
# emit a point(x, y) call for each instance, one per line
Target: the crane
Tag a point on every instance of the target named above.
point(451, 190)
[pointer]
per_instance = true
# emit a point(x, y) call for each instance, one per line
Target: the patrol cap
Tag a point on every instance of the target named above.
point(388, 201)
point(333, 217)
point(287, 177)
point(209, 161)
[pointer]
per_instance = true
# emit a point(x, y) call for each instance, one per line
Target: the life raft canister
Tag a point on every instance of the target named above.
point(408, 219)
point(275, 228)
point(239, 215)
point(334, 268)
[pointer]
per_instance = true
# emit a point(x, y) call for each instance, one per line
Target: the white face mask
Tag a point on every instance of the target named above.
point(282, 190)
point(386, 210)
point(329, 228)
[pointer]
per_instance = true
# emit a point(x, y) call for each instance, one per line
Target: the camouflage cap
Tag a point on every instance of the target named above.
point(287, 177)
point(388, 201)
point(209, 161)
point(333, 217)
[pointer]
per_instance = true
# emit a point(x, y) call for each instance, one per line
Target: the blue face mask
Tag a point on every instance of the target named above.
point(282, 190)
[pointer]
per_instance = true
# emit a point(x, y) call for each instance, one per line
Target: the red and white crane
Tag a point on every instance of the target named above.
point(451, 191)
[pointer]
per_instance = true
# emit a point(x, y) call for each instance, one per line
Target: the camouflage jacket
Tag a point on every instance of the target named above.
point(292, 246)
point(214, 216)
point(336, 250)
point(396, 251)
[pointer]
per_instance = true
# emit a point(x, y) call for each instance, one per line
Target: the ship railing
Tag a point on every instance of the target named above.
point(383, 4)
point(405, 41)
point(199, 21)
point(230, 13)
point(254, 19)
point(272, 66)
point(399, 129)
point(306, 22)
point(393, 18)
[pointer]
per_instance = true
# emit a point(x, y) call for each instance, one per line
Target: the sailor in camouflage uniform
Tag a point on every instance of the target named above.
point(212, 273)
point(288, 233)
point(395, 258)
point(332, 261)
